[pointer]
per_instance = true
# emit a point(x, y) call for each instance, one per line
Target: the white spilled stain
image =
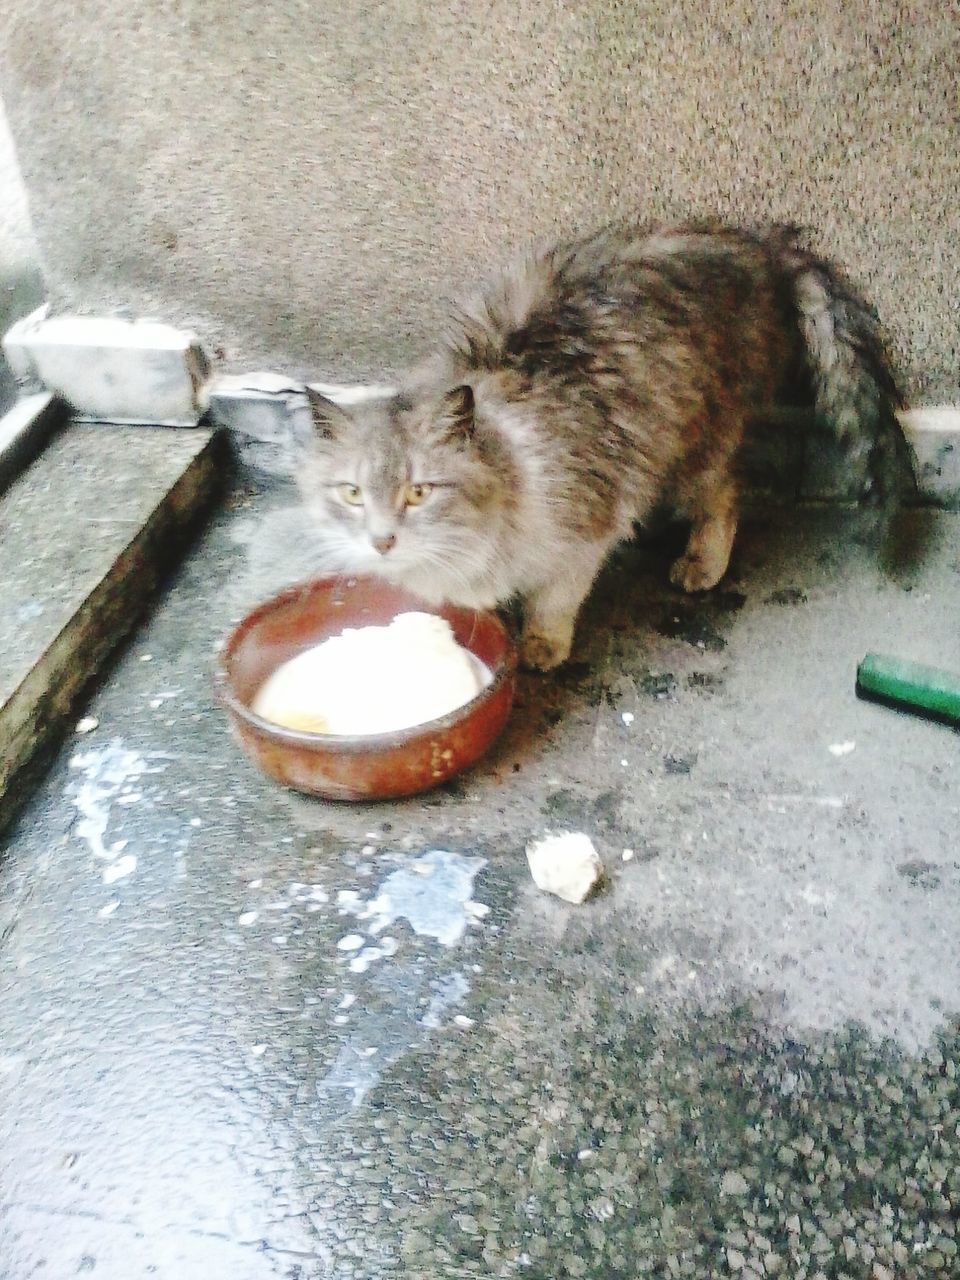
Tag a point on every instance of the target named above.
point(109, 909)
point(384, 949)
point(841, 748)
point(106, 775)
point(351, 942)
point(435, 896)
point(381, 1038)
point(447, 991)
point(353, 1071)
point(119, 869)
point(312, 896)
point(627, 717)
point(246, 919)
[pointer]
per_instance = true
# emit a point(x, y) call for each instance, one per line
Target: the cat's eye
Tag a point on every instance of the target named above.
point(414, 494)
point(351, 494)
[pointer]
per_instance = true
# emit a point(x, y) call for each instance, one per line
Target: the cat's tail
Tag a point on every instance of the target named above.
point(855, 389)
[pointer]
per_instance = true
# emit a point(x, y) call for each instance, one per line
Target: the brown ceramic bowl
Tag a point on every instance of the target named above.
point(377, 766)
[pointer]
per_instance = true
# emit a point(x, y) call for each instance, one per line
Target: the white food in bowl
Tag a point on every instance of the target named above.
point(371, 680)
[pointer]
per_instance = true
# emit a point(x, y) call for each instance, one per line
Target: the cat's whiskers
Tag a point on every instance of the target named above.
point(476, 561)
point(338, 555)
point(449, 569)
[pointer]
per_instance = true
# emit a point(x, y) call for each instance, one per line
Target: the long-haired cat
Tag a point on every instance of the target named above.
point(593, 381)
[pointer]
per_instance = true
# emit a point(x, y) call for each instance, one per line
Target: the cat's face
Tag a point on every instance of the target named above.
point(405, 489)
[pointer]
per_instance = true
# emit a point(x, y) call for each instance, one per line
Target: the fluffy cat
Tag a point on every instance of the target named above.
point(592, 382)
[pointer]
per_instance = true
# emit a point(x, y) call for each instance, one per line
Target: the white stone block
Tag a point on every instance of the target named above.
point(934, 436)
point(113, 370)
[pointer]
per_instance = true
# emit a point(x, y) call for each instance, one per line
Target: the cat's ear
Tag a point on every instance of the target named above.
point(457, 412)
point(329, 420)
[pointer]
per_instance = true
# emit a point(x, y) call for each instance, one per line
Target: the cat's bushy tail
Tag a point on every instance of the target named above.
point(855, 389)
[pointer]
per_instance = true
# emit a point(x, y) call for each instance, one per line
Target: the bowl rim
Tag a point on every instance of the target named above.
point(505, 670)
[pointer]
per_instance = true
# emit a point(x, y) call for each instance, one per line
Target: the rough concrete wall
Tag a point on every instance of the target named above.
point(305, 182)
point(21, 286)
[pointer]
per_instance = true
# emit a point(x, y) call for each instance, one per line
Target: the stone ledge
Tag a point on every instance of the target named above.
point(266, 414)
point(87, 533)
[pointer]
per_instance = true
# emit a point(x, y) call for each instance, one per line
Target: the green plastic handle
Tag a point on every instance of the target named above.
point(910, 684)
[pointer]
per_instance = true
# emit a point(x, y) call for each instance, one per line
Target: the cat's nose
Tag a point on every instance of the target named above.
point(383, 542)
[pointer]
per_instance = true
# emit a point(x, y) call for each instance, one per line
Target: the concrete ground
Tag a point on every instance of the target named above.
point(250, 1035)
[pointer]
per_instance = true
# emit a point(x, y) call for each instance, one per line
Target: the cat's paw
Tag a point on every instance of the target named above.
point(691, 573)
point(543, 653)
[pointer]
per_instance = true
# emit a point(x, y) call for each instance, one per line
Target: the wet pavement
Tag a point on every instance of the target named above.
point(250, 1035)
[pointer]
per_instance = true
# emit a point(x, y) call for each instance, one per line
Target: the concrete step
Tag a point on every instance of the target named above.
point(24, 430)
point(87, 533)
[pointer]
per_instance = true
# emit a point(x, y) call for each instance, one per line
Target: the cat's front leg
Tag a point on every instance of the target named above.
point(550, 612)
point(546, 642)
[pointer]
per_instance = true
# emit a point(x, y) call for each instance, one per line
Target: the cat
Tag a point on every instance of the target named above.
point(589, 384)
